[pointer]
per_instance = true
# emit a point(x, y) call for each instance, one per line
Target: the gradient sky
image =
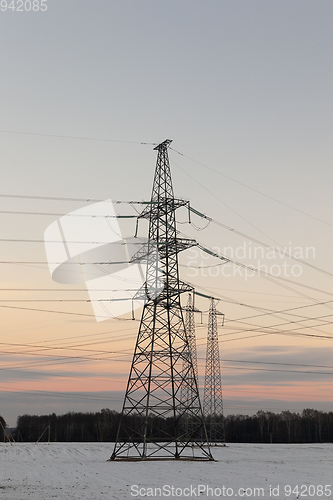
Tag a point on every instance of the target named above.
point(243, 88)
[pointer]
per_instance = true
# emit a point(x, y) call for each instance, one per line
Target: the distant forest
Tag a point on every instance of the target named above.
point(310, 426)
point(2, 429)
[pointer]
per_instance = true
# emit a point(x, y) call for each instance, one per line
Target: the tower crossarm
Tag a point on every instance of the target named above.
point(171, 291)
point(172, 247)
point(162, 206)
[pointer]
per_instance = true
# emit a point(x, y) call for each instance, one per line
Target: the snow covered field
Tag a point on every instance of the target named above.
point(80, 471)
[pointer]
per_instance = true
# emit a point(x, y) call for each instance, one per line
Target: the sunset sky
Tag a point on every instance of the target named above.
point(244, 90)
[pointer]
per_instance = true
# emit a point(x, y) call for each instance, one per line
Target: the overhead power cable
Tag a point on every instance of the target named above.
point(196, 212)
point(70, 395)
point(91, 315)
point(223, 203)
point(266, 275)
point(57, 198)
point(281, 311)
point(49, 198)
point(262, 310)
point(11, 212)
point(225, 366)
point(57, 136)
point(253, 189)
point(127, 352)
point(265, 245)
point(64, 300)
point(49, 311)
point(293, 331)
point(18, 240)
point(88, 357)
point(265, 312)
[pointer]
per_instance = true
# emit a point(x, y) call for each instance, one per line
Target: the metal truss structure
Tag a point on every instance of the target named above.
point(190, 332)
point(213, 400)
point(193, 377)
point(154, 415)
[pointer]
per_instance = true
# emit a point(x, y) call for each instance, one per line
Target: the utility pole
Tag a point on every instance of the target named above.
point(162, 366)
point(213, 400)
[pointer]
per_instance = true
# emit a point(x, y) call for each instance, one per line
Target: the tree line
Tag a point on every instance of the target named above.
point(310, 426)
point(2, 429)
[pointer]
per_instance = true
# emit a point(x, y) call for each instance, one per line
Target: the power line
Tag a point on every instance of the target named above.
point(75, 137)
point(50, 311)
point(77, 358)
point(209, 219)
point(266, 275)
point(274, 363)
point(57, 198)
point(91, 315)
point(48, 198)
point(275, 313)
point(69, 290)
point(302, 365)
point(255, 190)
point(244, 304)
point(223, 203)
point(293, 331)
point(71, 395)
point(90, 335)
point(265, 245)
point(270, 312)
point(18, 240)
point(65, 359)
point(282, 311)
point(53, 214)
point(284, 332)
point(123, 352)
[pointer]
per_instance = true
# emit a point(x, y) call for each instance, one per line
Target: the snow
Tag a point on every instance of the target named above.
point(81, 471)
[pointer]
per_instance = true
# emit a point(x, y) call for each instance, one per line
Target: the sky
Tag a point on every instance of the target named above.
point(244, 91)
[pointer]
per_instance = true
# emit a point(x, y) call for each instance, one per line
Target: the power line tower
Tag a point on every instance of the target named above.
point(152, 421)
point(190, 332)
point(213, 400)
point(193, 376)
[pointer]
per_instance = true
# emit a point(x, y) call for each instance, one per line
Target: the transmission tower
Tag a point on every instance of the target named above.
point(190, 331)
point(192, 376)
point(213, 401)
point(162, 365)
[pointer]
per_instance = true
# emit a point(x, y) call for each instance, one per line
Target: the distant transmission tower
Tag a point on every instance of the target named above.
point(190, 330)
point(213, 400)
point(153, 415)
point(188, 388)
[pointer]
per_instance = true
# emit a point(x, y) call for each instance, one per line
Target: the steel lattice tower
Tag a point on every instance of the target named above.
point(213, 400)
point(162, 366)
point(193, 376)
point(190, 331)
